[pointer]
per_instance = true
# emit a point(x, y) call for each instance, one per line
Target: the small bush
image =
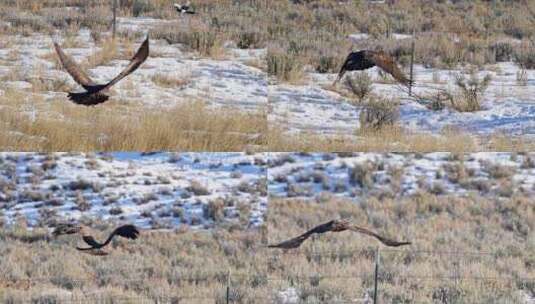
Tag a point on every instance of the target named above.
point(522, 77)
point(250, 40)
point(378, 114)
point(526, 58)
point(214, 210)
point(503, 51)
point(470, 92)
point(140, 7)
point(360, 85)
point(197, 189)
point(284, 66)
point(327, 64)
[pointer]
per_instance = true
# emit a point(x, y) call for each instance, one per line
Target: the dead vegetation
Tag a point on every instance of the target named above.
point(447, 33)
point(171, 267)
point(491, 237)
point(120, 127)
point(38, 122)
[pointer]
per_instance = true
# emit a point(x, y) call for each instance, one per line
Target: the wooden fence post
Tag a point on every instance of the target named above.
point(412, 66)
point(228, 287)
point(114, 17)
point(377, 261)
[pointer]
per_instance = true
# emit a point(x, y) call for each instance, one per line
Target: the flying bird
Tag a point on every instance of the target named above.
point(335, 226)
point(366, 59)
point(126, 231)
point(184, 8)
point(97, 93)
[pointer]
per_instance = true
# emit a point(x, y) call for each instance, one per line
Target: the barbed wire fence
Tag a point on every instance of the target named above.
point(381, 273)
point(229, 283)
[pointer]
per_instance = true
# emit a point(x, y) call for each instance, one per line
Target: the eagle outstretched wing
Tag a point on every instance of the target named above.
point(387, 64)
point(335, 226)
point(73, 68)
point(89, 240)
point(140, 57)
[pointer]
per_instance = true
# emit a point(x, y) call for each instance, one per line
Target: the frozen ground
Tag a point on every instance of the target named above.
point(159, 190)
point(360, 175)
point(232, 82)
point(508, 107)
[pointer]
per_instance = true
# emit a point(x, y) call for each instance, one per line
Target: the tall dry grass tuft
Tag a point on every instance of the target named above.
point(63, 126)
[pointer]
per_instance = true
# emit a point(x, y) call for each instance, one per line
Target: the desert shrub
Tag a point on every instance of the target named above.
point(140, 7)
point(250, 40)
point(284, 66)
point(362, 174)
point(379, 113)
point(503, 51)
point(360, 85)
point(214, 210)
point(526, 58)
point(197, 189)
point(470, 92)
point(522, 77)
point(206, 42)
point(327, 64)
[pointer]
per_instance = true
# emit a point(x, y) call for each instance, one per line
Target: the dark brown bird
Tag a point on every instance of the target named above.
point(126, 231)
point(366, 59)
point(97, 93)
point(334, 226)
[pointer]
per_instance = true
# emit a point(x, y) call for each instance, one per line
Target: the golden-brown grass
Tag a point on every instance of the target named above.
point(170, 81)
point(395, 139)
point(315, 33)
point(63, 126)
point(386, 139)
point(340, 266)
point(170, 267)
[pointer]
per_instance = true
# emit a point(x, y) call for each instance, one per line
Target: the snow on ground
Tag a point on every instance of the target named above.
point(359, 175)
point(229, 82)
point(508, 107)
point(161, 190)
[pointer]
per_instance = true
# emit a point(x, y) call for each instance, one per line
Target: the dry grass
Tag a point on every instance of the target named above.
point(170, 81)
point(63, 126)
point(169, 267)
point(386, 139)
point(29, 122)
point(315, 33)
point(395, 139)
point(433, 223)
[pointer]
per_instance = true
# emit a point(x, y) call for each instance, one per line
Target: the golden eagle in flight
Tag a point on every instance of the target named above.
point(366, 59)
point(97, 93)
point(335, 226)
point(126, 231)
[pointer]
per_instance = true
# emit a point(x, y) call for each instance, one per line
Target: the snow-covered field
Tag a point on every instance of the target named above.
point(161, 190)
point(508, 106)
point(232, 81)
point(360, 175)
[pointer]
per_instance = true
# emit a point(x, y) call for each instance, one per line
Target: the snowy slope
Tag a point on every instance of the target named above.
point(160, 190)
point(229, 82)
point(360, 175)
point(508, 107)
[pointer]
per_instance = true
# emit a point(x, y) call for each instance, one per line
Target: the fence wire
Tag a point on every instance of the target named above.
point(230, 282)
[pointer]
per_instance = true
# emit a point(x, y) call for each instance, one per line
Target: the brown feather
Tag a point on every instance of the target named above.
point(334, 226)
point(95, 93)
point(140, 57)
point(387, 64)
point(73, 68)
